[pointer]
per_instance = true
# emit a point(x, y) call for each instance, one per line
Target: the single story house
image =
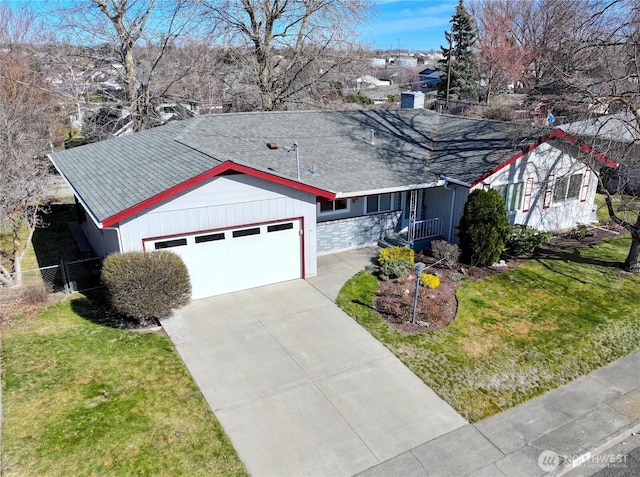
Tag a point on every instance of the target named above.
point(430, 78)
point(249, 199)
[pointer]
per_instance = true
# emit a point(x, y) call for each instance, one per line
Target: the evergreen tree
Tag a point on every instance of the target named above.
point(484, 228)
point(462, 74)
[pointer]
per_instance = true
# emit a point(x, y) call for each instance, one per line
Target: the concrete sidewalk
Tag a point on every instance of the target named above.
point(550, 435)
point(335, 269)
point(299, 387)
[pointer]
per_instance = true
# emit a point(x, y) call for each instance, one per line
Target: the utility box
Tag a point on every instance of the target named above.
point(412, 100)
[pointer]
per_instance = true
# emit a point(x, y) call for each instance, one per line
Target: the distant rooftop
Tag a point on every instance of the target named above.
point(621, 127)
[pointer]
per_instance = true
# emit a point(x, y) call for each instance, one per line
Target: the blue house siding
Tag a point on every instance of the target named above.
point(354, 232)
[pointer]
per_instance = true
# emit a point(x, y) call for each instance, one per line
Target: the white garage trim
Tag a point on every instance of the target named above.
point(226, 260)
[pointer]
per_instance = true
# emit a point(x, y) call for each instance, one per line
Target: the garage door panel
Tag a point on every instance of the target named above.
point(240, 258)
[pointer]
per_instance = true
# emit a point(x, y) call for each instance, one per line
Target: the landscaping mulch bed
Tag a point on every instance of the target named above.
point(596, 234)
point(437, 307)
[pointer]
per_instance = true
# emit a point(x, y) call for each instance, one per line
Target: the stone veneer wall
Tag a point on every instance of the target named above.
point(354, 232)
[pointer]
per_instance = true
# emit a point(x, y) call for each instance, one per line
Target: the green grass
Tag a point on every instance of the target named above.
point(6, 248)
point(626, 206)
point(520, 333)
point(82, 398)
point(51, 242)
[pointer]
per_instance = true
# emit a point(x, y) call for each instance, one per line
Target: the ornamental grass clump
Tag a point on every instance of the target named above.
point(430, 280)
point(580, 232)
point(145, 286)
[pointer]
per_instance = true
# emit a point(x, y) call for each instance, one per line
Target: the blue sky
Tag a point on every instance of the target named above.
point(414, 24)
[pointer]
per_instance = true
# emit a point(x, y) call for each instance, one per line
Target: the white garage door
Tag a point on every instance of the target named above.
point(236, 259)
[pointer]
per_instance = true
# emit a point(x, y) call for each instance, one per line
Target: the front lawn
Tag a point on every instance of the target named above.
point(521, 332)
point(83, 398)
point(626, 206)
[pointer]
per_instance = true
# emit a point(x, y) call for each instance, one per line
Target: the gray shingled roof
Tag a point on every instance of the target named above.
point(113, 175)
point(621, 127)
point(410, 147)
point(466, 148)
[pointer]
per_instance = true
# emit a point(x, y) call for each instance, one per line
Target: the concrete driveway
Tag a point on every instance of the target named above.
point(299, 387)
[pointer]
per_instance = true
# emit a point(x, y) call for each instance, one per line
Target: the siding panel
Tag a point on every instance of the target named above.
point(543, 167)
point(232, 201)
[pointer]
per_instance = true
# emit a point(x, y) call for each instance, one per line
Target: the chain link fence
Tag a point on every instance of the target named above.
point(82, 275)
point(68, 277)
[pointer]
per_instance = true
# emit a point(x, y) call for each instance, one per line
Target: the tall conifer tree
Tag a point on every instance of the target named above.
point(460, 72)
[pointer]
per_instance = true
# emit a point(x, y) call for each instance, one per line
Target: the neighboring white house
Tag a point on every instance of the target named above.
point(249, 199)
point(547, 188)
point(368, 80)
point(618, 134)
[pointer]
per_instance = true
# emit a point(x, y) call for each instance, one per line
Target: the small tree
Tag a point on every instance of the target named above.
point(484, 228)
point(146, 286)
point(500, 56)
point(27, 129)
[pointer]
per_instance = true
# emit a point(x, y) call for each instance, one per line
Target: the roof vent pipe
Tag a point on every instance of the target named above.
point(373, 137)
point(295, 145)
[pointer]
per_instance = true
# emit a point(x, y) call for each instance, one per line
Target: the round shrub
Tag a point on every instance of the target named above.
point(145, 286)
point(430, 280)
point(391, 269)
point(446, 252)
point(396, 253)
point(484, 228)
point(524, 240)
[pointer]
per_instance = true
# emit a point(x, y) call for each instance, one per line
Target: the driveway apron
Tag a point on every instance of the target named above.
point(299, 387)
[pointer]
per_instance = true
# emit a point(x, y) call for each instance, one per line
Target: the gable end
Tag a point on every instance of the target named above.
point(559, 134)
point(223, 168)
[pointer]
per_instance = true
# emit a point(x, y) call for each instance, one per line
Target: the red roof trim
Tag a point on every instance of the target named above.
point(216, 171)
point(558, 133)
point(587, 149)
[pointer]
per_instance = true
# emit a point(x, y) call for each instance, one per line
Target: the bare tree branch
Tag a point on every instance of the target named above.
point(286, 48)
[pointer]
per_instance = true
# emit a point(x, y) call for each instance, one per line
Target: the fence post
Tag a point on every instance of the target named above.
point(65, 279)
